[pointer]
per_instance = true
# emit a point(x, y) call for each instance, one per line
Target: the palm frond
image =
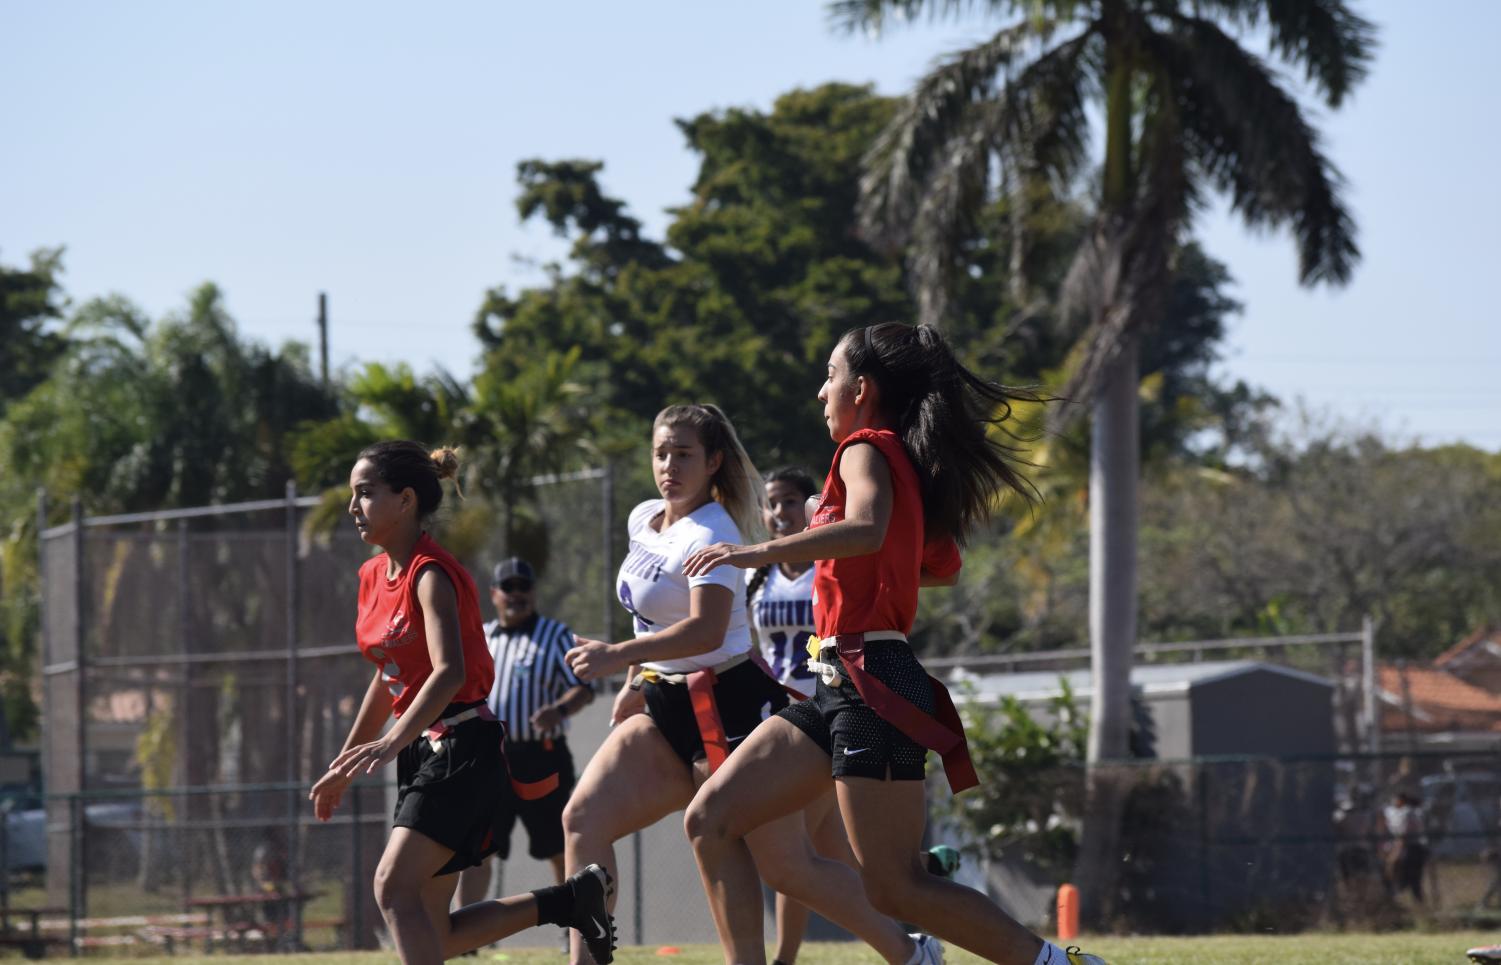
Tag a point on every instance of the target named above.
point(1035, 122)
point(898, 164)
point(1333, 44)
point(1251, 138)
point(874, 16)
point(952, 197)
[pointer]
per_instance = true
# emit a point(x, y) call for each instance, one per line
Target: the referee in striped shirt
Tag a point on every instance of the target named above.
point(534, 693)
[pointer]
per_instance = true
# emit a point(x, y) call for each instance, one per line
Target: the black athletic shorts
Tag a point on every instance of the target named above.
point(454, 793)
point(543, 818)
point(860, 742)
point(745, 695)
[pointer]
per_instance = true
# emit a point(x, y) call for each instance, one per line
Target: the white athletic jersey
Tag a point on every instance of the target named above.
point(782, 613)
point(655, 592)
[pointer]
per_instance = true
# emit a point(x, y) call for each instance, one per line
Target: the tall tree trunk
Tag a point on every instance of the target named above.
point(1115, 455)
point(1115, 458)
point(1114, 467)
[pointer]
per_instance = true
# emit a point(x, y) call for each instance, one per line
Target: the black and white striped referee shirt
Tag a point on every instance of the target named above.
point(530, 672)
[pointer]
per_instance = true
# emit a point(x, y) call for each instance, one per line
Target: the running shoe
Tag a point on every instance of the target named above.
point(592, 887)
point(929, 950)
point(1076, 957)
point(1486, 955)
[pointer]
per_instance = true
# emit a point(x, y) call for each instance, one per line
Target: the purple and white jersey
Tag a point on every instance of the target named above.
point(782, 614)
point(653, 589)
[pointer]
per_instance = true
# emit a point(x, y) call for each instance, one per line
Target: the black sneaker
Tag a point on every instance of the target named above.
point(592, 886)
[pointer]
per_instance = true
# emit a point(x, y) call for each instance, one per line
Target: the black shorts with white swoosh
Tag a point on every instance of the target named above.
point(859, 741)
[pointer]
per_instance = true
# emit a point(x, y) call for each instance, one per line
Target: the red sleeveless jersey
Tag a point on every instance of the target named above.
point(878, 591)
point(392, 634)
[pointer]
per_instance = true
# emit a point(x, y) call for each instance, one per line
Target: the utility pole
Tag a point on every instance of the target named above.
point(323, 336)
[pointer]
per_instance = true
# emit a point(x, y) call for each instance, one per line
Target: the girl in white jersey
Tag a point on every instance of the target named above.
point(692, 691)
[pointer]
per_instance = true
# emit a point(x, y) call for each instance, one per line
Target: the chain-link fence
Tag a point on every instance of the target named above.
point(199, 672)
point(1363, 842)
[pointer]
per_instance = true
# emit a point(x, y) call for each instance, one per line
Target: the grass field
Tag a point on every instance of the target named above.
point(1314, 949)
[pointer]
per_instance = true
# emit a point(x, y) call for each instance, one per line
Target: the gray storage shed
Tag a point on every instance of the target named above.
point(1234, 825)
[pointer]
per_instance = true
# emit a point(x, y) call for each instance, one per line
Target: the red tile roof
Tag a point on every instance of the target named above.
point(1439, 701)
point(1479, 637)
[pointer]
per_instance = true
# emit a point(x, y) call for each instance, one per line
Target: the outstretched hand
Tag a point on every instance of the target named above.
point(701, 561)
point(327, 794)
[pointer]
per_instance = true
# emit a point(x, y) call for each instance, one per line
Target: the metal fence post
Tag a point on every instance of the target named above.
point(294, 849)
point(607, 521)
point(357, 859)
point(183, 805)
point(1368, 683)
point(79, 909)
point(76, 872)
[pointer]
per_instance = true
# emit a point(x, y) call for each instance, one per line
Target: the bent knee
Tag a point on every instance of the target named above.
point(705, 820)
point(395, 895)
point(888, 892)
point(579, 816)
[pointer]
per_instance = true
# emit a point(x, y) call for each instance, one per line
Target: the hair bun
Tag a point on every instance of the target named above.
point(446, 461)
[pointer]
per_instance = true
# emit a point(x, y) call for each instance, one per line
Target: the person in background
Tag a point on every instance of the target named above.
point(534, 694)
point(1406, 851)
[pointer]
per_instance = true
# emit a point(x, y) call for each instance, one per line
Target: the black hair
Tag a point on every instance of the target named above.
point(805, 484)
point(799, 477)
point(942, 411)
point(403, 464)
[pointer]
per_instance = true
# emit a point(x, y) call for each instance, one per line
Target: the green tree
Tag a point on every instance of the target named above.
point(135, 415)
point(738, 305)
point(31, 303)
point(1185, 108)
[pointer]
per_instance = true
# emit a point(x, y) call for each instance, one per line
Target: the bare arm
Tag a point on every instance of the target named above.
point(375, 707)
point(549, 718)
point(375, 710)
point(867, 512)
point(703, 630)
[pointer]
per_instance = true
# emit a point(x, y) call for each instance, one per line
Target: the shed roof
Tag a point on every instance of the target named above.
point(1145, 678)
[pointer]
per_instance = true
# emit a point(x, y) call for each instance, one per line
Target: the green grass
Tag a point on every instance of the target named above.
point(1408, 948)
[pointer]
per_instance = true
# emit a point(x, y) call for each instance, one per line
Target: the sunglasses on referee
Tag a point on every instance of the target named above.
point(514, 585)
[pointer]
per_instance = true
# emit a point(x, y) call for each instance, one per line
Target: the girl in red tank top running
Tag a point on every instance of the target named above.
point(915, 469)
point(419, 622)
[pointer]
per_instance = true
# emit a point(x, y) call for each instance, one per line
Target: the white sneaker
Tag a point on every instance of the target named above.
point(929, 950)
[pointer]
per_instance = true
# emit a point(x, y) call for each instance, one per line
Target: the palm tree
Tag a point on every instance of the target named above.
point(1186, 109)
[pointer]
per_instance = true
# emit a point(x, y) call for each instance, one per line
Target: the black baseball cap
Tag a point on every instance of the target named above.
point(514, 568)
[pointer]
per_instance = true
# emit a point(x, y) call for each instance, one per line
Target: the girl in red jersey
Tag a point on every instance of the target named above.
point(699, 692)
point(913, 471)
point(419, 623)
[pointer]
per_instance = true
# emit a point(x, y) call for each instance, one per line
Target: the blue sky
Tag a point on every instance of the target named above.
point(368, 150)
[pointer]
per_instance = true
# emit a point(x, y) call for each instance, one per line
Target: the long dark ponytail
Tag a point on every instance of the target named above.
point(943, 412)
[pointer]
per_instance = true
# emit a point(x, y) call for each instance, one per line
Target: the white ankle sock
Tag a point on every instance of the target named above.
point(1051, 954)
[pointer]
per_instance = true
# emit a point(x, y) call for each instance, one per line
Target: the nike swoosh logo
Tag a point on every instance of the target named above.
point(598, 927)
point(850, 753)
